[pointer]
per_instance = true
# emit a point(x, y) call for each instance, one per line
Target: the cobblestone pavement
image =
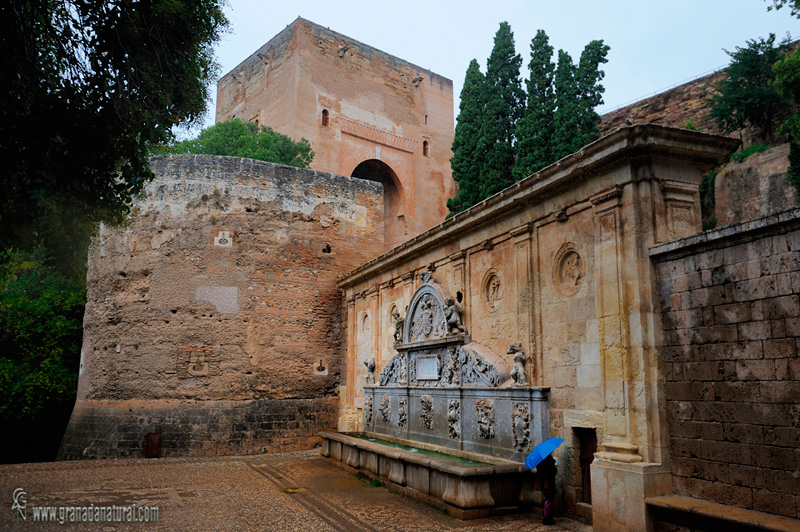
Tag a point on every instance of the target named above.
point(283, 492)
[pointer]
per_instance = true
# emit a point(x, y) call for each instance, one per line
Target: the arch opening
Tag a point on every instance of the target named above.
point(394, 224)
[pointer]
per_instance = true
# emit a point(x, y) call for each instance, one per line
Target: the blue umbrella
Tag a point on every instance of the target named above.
point(541, 451)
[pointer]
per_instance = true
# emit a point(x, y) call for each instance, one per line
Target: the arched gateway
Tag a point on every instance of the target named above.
point(394, 228)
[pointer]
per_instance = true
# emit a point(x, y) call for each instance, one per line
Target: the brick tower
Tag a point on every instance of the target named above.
point(367, 114)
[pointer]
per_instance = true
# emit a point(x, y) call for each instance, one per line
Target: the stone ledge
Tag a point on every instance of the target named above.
point(727, 236)
point(707, 515)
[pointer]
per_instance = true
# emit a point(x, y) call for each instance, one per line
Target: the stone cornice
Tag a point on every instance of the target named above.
point(625, 145)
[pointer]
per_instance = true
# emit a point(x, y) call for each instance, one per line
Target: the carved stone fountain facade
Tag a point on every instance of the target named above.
point(549, 280)
point(443, 389)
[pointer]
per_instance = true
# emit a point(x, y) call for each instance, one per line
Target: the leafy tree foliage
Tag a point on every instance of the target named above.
point(787, 84)
point(794, 6)
point(465, 161)
point(536, 128)
point(748, 94)
point(502, 108)
point(89, 85)
point(41, 316)
point(246, 139)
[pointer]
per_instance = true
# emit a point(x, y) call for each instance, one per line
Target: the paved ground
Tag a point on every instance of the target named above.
point(287, 492)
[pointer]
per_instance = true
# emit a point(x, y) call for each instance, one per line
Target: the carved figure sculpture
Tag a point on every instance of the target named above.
point(452, 313)
point(520, 421)
point(519, 373)
point(485, 410)
point(398, 326)
point(385, 408)
point(369, 376)
point(402, 413)
point(450, 373)
point(426, 411)
point(368, 411)
point(454, 418)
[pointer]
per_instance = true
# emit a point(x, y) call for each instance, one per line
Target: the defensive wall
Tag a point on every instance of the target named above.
point(213, 317)
point(366, 114)
point(731, 325)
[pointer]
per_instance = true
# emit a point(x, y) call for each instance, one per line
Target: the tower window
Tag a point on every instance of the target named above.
point(425, 148)
point(426, 120)
point(324, 118)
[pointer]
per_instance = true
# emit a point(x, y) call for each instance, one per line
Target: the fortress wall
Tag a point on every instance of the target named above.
point(213, 316)
point(731, 321)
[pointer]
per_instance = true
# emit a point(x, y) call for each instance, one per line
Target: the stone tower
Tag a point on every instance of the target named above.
point(367, 114)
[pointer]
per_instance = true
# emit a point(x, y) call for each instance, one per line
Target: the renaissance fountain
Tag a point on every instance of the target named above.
point(447, 421)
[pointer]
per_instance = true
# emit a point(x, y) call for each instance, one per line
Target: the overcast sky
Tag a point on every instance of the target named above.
point(655, 44)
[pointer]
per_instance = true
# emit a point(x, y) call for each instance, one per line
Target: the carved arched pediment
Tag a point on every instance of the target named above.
point(426, 319)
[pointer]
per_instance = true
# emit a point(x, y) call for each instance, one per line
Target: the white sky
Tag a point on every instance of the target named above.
point(655, 44)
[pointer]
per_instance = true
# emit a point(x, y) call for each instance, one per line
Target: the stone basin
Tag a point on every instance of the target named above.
point(485, 487)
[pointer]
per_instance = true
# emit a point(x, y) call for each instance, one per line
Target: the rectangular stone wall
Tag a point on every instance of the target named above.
point(731, 321)
point(210, 428)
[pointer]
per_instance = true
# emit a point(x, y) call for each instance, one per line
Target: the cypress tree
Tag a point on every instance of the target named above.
point(587, 78)
point(466, 169)
point(535, 129)
point(504, 98)
point(566, 117)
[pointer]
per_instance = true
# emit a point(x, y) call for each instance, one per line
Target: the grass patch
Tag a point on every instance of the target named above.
point(292, 491)
point(740, 156)
point(375, 482)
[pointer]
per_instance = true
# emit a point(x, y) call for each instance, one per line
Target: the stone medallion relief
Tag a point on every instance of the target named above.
point(568, 270)
point(492, 289)
point(454, 418)
point(426, 411)
point(485, 409)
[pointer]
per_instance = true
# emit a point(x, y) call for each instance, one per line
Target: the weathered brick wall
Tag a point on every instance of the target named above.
point(731, 321)
point(218, 300)
point(678, 106)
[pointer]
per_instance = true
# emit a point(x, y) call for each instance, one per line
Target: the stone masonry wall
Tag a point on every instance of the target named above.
point(731, 322)
point(214, 316)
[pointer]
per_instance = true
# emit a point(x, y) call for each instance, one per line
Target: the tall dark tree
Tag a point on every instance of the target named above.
point(535, 129)
point(466, 161)
point(566, 119)
point(590, 91)
point(747, 95)
point(503, 107)
point(89, 85)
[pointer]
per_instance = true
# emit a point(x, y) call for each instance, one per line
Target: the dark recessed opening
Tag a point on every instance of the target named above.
point(459, 296)
point(325, 118)
point(587, 445)
point(327, 248)
point(425, 148)
point(320, 367)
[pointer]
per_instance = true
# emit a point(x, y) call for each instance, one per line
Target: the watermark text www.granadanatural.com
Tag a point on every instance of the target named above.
point(131, 513)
